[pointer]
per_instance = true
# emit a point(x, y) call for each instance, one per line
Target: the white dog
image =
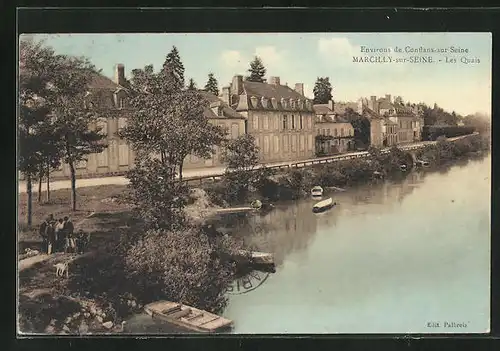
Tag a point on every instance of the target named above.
point(62, 269)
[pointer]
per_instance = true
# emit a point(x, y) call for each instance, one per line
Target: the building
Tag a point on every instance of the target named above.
point(400, 123)
point(110, 98)
point(334, 134)
point(280, 118)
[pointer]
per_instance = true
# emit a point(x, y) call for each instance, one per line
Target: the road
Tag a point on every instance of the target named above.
point(202, 172)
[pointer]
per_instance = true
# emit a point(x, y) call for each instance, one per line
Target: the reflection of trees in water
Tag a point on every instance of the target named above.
point(284, 230)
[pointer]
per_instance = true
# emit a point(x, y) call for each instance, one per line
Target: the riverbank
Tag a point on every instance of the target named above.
point(292, 184)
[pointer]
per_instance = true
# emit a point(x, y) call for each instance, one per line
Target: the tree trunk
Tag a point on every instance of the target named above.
point(73, 185)
point(180, 171)
point(48, 182)
point(30, 198)
point(40, 179)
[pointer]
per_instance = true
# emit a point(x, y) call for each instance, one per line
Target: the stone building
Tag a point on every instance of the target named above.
point(280, 118)
point(336, 133)
point(110, 98)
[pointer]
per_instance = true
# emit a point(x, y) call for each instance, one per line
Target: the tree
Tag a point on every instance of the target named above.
point(322, 90)
point(167, 121)
point(212, 85)
point(37, 66)
point(241, 156)
point(173, 61)
point(361, 126)
point(73, 122)
point(192, 84)
point(51, 155)
point(257, 71)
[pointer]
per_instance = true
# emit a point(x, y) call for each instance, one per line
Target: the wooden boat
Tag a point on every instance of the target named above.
point(317, 191)
point(255, 257)
point(187, 317)
point(402, 168)
point(422, 163)
point(324, 205)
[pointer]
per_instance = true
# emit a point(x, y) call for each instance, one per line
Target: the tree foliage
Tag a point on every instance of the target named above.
point(191, 84)
point(212, 85)
point(322, 90)
point(438, 116)
point(167, 121)
point(173, 62)
point(185, 266)
point(361, 126)
point(257, 70)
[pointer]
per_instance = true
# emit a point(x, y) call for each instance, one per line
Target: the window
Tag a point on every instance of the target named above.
point(309, 122)
point(276, 123)
point(309, 142)
point(293, 122)
point(335, 132)
point(294, 143)
point(341, 132)
point(235, 130)
point(266, 144)
point(285, 143)
point(121, 102)
point(285, 122)
point(328, 131)
point(255, 122)
point(276, 144)
point(102, 158)
point(301, 122)
point(266, 122)
point(123, 154)
point(302, 142)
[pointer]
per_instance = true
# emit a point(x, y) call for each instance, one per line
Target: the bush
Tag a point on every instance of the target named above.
point(186, 266)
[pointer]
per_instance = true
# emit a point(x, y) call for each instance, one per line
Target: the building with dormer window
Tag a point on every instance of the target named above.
point(280, 118)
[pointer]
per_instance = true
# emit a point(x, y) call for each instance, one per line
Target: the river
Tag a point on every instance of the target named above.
point(406, 256)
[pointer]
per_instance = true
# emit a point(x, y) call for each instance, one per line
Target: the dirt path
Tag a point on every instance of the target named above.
point(30, 261)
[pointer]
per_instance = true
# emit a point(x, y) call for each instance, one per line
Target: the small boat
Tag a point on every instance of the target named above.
point(402, 168)
point(187, 317)
point(324, 205)
point(255, 257)
point(317, 191)
point(422, 163)
point(256, 204)
point(378, 175)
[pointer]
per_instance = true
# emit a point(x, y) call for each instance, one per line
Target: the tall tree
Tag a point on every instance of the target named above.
point(74, 123)
point(192, 84)
point(169, 122)
point(322, 90)
point(257, 70)
point(212, 85)
point(173, 61)
point(37, 65)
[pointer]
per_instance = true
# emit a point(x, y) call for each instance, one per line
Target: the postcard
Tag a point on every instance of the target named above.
point(254, 183)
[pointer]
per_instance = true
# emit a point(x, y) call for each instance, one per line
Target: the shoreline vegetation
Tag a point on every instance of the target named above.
point(121, 272)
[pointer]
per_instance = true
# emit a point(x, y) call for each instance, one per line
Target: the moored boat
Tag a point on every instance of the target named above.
point(187, 317)
point(317, 191)
point(324, 205)
point(255, 257)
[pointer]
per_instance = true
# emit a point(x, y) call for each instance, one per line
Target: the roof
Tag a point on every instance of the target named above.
point(258, 95)
point(101, 82)
point(227, 112)
point(384, 104)
point(341, 107)
point(370, 114)
point(322, 109)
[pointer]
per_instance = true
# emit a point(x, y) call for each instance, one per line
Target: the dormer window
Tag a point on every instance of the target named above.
point(121, 102)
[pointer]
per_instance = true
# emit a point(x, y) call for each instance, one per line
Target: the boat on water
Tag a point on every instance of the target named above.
point(324, 205)
point(255, 257)
point(422, 163)
point(187, 317)
point(403, 168)
point(317, 191)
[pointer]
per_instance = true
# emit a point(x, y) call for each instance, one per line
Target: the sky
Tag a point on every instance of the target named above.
point(302, 57)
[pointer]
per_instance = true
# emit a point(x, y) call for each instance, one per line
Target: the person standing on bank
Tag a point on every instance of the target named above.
point(43, 233)
point(60, 235)
point(69, 245)
point(51, 237)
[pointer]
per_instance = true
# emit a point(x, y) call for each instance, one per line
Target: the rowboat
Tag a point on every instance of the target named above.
point(256, 257)
point(187, 317)
point(317, 191)
point(324, 205)
point(422, 163)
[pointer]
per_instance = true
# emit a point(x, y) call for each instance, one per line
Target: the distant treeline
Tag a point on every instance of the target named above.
point(433, 132)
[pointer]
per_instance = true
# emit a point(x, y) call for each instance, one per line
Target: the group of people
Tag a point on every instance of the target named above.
point(58, 236)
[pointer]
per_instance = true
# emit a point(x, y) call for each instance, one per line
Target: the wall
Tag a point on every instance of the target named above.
point(376, 132)
point(278, 143)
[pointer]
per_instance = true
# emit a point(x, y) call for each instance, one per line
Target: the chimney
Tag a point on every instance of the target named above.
point(299, 88)
point(372, 103)
point(388, 97)
point(275, 80)
point(237, 85)
point(331, 104)
point(225, 95)
point(120, 74)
